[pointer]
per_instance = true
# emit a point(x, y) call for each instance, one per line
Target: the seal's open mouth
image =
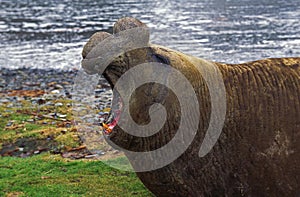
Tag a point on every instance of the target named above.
point(112, 74)
point(114, 114)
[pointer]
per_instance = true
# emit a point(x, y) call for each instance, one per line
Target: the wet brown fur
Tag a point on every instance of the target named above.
point(258, 152)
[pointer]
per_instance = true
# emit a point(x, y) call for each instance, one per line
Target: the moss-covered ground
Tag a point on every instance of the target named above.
point(43, 172)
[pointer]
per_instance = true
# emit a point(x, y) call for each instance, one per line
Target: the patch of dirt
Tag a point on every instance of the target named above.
point(25, 147)
point(14, 194)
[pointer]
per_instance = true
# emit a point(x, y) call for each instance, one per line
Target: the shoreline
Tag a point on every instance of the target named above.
point(47, 80)
point(43, 100)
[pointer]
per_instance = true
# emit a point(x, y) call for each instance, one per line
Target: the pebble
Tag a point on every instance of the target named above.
point(99, 91)
point(10, 123)
point(55, 92)
point(49, 103)
point(5, 100)
point(98, 152)
point(115, 151)
point(101, 113)
point(43, 85)
point(52, 114)
point(48, 138)
point(10, 105)
point(101, 120)
point(18, 99)
point(91, 156)
point(64, 131)
point(61, 115)
point(57, 86)
point(24, 155)
point(36, 152)
point(58, 105)
point(41, 101)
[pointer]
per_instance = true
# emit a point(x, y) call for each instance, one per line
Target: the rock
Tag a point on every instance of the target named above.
point(115, 151)
point(51, 114)
point(64, 131)
point(99, 91)
point(58, 86)
point(101, 120)
point(52, 84)
point(65, 83)
point(10, 123)
point(98, 152)
point(91, 156)
point(10, 105)
point(43, 85)
point(58, 105)
point(41, 101)
point(49, 103)
point(101, 113)
point(18, 99)
point(61, 115)
point(25, 155)
point(55, 92)
point(4, 100)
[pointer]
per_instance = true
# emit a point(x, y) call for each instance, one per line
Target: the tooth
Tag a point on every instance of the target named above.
point(110, 117)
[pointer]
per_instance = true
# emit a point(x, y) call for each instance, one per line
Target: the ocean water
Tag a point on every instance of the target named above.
point(51, 33)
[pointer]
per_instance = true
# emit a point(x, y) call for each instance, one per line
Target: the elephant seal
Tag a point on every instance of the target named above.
point(257, 153)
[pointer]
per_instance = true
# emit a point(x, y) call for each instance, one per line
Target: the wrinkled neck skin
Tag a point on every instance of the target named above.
point(151, 93)
point(259, 143)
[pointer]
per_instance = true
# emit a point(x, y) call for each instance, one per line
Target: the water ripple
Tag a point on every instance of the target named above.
point(51, 33)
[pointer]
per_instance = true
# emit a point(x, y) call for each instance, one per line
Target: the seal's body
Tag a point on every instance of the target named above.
point(257, 153)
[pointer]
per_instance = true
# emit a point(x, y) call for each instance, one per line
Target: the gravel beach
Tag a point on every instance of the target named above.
point(40, 79)
point(40, 84)
point(42, 88)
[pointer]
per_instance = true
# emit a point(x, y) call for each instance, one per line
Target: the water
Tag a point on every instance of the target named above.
point(51, 34)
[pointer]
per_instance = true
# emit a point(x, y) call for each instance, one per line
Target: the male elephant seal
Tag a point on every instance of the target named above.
point(257, 153)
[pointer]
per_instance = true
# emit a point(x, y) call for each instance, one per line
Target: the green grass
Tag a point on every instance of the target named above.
point(50, 175)
point(21, 128)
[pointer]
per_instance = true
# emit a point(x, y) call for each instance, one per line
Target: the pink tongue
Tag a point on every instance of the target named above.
point(112, 124)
